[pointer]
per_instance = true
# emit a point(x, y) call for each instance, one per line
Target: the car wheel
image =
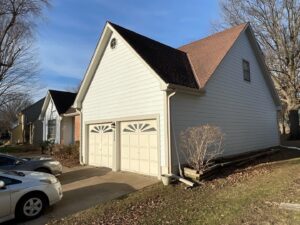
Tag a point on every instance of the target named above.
point(31, 206)
point(44, 170)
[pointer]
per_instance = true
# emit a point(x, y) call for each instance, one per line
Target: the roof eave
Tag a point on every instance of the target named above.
point(184, 89)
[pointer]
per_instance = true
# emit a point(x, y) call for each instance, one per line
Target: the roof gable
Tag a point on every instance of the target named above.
point(33, 111)
point(62, 100)
point(172, 65)
point(206, 54)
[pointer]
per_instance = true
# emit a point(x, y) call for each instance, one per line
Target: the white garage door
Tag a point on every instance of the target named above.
point(139, 147)
point(101, 137)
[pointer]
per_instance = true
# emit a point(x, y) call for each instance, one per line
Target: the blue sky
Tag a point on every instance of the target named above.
point(67, 37)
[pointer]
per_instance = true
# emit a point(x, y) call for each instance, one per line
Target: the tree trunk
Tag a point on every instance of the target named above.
point(283, 129)
point(283, 124)
point(294, 125)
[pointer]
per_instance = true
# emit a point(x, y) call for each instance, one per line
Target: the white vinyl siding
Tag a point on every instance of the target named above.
point(245, 111)
point(123, 87)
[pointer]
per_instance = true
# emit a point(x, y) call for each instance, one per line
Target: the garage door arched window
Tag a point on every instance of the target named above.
point(142, 127)
point(102, 129)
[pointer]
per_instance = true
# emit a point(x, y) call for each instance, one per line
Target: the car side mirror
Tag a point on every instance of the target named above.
point(2, 184)
point(18, 163)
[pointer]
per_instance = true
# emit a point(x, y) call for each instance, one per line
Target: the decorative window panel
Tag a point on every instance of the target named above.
point(102, 129)
point(141, 127)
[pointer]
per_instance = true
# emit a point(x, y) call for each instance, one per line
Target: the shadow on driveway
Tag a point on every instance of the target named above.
point(80, 199)
point(86, 197)
point(82, 174)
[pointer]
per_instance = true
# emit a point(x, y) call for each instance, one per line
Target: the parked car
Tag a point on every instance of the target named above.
point(40, 164)
point(25, 194)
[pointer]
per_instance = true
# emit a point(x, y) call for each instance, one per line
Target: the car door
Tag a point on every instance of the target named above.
point(5, 199)
point(7, 163)
point(6, 194)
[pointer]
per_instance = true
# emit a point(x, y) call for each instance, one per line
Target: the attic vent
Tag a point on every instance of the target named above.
point(113, 43)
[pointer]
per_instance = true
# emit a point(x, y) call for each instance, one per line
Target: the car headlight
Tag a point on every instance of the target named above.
point(56, 163)
point(50, 180)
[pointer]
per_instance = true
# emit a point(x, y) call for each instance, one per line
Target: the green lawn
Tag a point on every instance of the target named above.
point(246, 197)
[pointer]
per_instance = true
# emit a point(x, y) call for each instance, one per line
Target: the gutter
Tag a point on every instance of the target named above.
point(183, 89)
point(77, 113)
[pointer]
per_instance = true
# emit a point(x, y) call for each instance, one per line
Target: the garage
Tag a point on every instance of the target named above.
point(101, 137)
point(139, 147)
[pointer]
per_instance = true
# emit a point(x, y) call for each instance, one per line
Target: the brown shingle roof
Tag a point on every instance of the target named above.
point(206, 54)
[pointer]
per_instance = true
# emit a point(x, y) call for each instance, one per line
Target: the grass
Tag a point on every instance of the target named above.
point(249, 196)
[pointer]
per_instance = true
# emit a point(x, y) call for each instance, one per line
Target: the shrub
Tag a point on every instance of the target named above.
point(201, 144)
point(68, 155)
point(47, 146)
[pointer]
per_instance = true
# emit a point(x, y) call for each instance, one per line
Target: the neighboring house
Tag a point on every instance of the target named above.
point(138, 95)
point(29, 129)
point(16, 135)
point(33, 127)
point(58, 120)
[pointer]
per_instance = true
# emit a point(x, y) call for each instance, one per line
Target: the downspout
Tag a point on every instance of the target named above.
point(80, 141)
point(171, 134)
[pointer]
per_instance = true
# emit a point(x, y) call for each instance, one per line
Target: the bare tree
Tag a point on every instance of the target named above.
point(201, 145)
point(73, 89)
point(10, 111)
point(276, 24)
point(17, 63)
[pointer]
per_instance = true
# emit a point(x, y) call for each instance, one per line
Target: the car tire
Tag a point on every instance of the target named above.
point(43, 170)
point(31, 206)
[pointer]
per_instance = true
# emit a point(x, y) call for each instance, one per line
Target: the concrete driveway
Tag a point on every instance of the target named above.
point(84, 187)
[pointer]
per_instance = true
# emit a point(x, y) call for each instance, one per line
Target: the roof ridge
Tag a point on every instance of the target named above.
point(214, 34)
point(151, 39)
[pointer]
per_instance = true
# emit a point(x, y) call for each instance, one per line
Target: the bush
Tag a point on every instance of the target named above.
point(68, 155)
point(47, 146)
point(201, 145)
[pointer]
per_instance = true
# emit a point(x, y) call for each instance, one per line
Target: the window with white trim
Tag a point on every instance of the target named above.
point(51, 129)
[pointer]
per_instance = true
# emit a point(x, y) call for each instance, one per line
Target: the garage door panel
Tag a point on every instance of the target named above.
point(100, 145)
point(139, 149)
point(144, 168)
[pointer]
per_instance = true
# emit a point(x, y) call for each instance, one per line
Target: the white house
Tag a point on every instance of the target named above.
point(138, 95)
point(56, 125)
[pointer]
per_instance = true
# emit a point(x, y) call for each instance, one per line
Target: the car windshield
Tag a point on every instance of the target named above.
point(12, 172)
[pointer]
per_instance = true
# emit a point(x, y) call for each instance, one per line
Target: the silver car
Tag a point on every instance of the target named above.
point(40, 164)
point(24, 194)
